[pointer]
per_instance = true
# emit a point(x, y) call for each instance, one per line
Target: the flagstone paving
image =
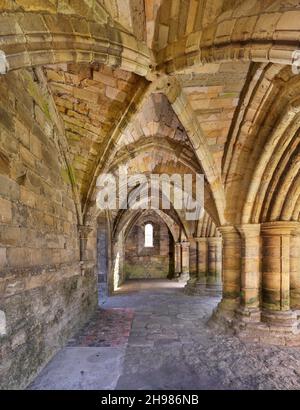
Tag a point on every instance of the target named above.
point(153, 336)
point(107, 328)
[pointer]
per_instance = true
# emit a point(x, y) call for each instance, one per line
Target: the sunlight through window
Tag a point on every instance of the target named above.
point(148, 236)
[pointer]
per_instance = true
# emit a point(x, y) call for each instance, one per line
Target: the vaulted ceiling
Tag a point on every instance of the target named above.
point(157, 84)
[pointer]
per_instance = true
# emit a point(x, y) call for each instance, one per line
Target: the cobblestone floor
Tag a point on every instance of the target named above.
point(170, 346)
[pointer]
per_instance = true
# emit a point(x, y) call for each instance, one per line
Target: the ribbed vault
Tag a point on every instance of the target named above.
point(159, 86)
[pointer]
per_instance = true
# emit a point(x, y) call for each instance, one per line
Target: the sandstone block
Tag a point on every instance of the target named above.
point(27, 197)
point(5, 211)
point(265, 26)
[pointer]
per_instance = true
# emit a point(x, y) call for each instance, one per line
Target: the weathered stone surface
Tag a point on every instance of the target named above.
point(91, 100)
point(40, 282)
point(5, 211)
point(171, 347)
point(151, 263)
point(176, 87)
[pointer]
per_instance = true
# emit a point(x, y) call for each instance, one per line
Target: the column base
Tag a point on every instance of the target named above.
point(214, 290)
point(248, 315)
point(184, 277)
point(199, 287)
point(247, 323)
point(255, 326)
point(281, 321)
point(274, 328)
point(195, 287)
point(295, 303)
point(223, 315)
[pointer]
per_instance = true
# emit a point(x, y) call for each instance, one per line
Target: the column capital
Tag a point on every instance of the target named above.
point(84, 230)
point(185, 244)
point(279, 228)
point(214, 240)
point(297, 230)
point(201, 239)
point(249, 230)
point(228, 231)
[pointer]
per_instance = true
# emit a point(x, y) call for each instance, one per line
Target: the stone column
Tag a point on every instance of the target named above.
point(250, 272)
point(177, 255)
point(185, 262)
point(85, 264)
point(231, 269)
point(212, 259)
point(295, 270)
point(197, 285)
point(219, 261)
point(276, 267)
point(214, 276)
point(193, 259)
point(202, 255)
point(84, 232)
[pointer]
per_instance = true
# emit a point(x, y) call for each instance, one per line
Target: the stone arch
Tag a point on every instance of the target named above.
point(268, 162)
point(251, 139)
point(249, 31)
point(41, 38)
point(162, 260)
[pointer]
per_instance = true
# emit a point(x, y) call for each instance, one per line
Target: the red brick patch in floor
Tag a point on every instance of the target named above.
point(107, 328)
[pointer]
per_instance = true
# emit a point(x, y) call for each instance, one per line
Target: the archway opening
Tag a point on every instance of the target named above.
point(149, 250)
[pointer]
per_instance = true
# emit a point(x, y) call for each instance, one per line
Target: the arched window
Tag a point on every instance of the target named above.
point(149, 236)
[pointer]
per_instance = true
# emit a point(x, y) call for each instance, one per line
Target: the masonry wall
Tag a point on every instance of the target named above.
point(156, 262)
point(44, 297)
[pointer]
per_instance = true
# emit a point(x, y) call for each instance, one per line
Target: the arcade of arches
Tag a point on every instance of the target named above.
point(159, 86)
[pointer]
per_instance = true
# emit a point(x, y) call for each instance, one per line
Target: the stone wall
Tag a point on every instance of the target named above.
point(142, 262)
point(44, 295)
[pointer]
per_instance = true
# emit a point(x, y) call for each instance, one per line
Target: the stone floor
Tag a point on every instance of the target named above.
point(152, 336)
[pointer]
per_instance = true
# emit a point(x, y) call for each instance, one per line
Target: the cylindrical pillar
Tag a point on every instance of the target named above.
point(177, 255)
point(202, 256)
point(212, 259)
point(185, 261)
point(276, 268)
point(231, 257)
point(193, 259)
point(214, 275)
point(249, 309)
point(250, 272)
point(197, 284)
point(219, 261)
point(231, 272)
point(295, 270)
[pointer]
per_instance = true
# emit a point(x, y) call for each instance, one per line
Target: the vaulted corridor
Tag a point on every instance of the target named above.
point(152, 336)
point(149, 154)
